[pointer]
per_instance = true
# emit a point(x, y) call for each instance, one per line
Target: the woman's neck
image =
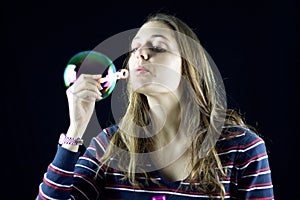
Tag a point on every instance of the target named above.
point(166, 114)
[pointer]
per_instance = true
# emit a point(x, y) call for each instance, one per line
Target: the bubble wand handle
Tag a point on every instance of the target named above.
point(122, 74)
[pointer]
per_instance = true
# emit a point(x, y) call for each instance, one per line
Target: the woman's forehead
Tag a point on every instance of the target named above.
point(155, 28)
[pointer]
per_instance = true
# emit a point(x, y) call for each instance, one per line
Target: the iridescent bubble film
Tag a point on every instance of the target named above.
point(91, 62)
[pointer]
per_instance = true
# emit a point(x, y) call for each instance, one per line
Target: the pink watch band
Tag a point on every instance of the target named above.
point(63, 139)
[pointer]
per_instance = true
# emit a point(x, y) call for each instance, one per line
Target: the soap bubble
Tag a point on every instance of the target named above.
point(91, 62)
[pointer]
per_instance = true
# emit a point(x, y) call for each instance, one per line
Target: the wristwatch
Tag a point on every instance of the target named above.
point(63, 139)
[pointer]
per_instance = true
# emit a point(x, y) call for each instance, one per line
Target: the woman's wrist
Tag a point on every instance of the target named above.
point(74, 132)
point(64, 139)
point(70, 143)
point(72, 139)
point(73, 148)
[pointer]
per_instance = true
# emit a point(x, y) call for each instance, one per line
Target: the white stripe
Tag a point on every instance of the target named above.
point(88, 183)
point(257, 174)
point(242, 150)
point(162, 192)
point(236, 126)
point(119, 174)
point(81, 192)
point(106, 133)
point(187, 183)
point(227, 166)
point(261, 158)
point(85, 167)
point(114, 174)
point(90, 169)
point(99, 144)
point(90, 160)
point(59, 169)
point(254, 145)
point(257, 188)
point(153, 179)
point(240, 168)
point(54, 183)
point(44, 195)
point(91, 149)
point(236, 136)
point(234, 183)
point(225, 182)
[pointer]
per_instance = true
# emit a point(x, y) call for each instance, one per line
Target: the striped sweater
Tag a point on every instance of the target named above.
point(244, 155)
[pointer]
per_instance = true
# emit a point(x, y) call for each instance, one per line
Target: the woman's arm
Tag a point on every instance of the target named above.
point(72, 178)
point(59, 178)
point(253, 170)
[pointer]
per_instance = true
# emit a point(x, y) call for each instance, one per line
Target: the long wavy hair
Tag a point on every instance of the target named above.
point(202, 106)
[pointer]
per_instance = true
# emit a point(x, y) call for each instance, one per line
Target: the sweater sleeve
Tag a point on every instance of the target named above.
point(58, 180)
point(253, 170)
point(71, 176)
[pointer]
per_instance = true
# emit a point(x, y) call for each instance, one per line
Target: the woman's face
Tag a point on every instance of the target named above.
point(155, 62)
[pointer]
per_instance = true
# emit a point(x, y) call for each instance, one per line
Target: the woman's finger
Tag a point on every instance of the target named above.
point(95, 79)
point(89, 76)
point(86, 95)
point(88, 84)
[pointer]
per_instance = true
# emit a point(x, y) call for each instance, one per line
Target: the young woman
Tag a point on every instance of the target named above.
point(176, 140)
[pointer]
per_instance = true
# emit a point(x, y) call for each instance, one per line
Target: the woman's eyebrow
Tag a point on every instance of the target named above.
point(153, 36)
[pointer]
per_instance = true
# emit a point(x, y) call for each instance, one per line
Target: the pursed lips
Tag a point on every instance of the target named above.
point(141, 69)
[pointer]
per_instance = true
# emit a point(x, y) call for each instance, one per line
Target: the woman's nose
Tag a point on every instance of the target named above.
point(142, 53)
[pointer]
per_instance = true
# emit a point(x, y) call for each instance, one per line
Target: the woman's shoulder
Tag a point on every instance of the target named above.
point(106, 134)
point(238, 132)
point(99, 143)
point(239, 137)
point(109, 131)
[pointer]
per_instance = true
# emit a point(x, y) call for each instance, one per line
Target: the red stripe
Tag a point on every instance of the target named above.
point(253, 142)
point(41, 196)
point(227, 163)
point(228, 134)
point(56, 187)
point(259, 185)
point(257, 171)
point(100, 162)
point(239, 147)
point(108, 133)
point(89, 179)
point(101, 141)
point(158, 189)
point(59, 172)
point(264, 198)
point(253, 158)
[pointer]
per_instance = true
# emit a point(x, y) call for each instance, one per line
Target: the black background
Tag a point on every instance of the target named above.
point(253, 43)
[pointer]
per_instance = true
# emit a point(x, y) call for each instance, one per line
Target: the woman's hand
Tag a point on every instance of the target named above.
point(81, 100)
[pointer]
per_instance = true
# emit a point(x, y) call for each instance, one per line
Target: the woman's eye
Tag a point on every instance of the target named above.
point(157, 49)
point(133, 50)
